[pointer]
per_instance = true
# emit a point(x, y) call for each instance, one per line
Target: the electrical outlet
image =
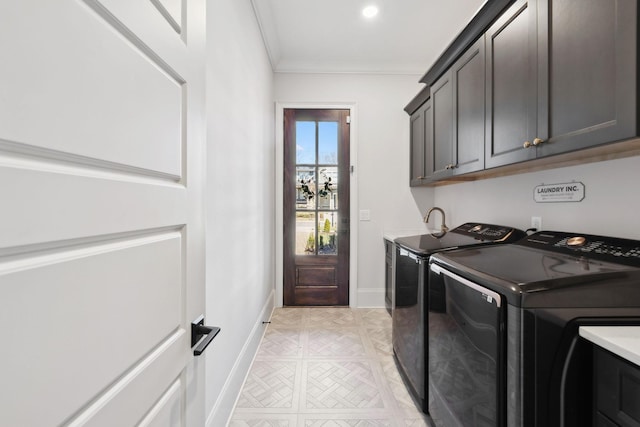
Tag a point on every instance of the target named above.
point(536, 222)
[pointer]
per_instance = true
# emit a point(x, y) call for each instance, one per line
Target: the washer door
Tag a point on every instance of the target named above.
point(465, 362)
point(408, 321)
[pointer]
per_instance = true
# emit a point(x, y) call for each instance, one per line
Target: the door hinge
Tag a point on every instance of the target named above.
point(348, 119)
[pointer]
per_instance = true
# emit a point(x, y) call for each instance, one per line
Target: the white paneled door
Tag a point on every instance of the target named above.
point(101, 234)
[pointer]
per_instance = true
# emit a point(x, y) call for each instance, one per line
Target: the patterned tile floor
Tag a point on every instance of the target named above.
point(325, 367)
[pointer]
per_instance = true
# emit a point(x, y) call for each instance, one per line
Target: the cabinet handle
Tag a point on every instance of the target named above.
point(419, 177)
point(537, 141)
point(450, 166)
point(526, 144)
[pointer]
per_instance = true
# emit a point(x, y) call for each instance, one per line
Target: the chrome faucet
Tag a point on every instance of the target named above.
point(443, 227)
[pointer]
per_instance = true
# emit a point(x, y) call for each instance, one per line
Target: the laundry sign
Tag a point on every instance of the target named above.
point(563, 192)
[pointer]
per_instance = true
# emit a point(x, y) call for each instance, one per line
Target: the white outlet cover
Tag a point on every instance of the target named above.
point(536, 222)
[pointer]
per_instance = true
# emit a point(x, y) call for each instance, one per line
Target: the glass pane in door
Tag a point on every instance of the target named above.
point(305, 187)
point(327, 233)
point(328, 143)
point(327, 188)
point(305, 143)
point(305, 233)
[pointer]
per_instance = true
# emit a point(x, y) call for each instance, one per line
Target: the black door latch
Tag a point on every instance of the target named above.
point(202, 335)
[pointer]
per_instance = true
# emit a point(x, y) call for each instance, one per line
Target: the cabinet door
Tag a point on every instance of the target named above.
point(441, 150)
point(468, 75)
point(417, 146)
point(428, 139)
point(418, 137)
point(511, 85)
point(587, 73)
point(617, 388)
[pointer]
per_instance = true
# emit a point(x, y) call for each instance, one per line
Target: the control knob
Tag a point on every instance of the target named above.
point(576, 241)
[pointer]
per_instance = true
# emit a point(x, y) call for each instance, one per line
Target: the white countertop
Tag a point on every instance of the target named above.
point(621, 340)
point(394, 234)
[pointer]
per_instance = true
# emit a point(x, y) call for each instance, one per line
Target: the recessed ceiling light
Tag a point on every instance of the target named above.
point(370, 11)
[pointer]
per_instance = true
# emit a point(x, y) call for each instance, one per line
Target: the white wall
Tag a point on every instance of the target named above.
point(240, 198)
point(381, 163)
point(610, 206)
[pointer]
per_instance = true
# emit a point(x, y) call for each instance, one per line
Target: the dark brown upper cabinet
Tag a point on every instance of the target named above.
point(458, 117)
point(440, 151)
point(511, 86)
point(418, 121)
point(468, 77)
point(561, 77)
point(540, 79)
point(587, 73)
point(447, 131)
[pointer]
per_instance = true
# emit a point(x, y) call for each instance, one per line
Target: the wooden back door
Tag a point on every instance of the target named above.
point(101, 237)
point(316, 207)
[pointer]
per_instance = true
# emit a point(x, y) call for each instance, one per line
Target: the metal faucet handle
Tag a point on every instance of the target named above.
point(443, 226)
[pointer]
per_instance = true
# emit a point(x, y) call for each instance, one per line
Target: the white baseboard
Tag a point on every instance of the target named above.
point(371, 298)
point(223, 408)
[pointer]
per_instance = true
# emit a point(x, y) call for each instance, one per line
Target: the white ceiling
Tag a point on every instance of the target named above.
point(406, 37)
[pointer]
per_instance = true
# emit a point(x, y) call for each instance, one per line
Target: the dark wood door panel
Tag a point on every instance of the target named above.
point(316, 285)
point(316, 296)
point(316, 275)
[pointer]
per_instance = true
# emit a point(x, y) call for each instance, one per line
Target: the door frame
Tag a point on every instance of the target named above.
point(353, 202)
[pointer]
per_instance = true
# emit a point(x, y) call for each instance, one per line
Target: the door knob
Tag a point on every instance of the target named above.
point(526, 144)
point(537, 141)
point(200, 331)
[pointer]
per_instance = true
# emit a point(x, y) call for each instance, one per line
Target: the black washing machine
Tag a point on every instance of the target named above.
point(503, 344)
point(409, 309)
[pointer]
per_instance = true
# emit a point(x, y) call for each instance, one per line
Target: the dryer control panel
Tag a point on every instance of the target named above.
point(609, 249)
point(491, 232)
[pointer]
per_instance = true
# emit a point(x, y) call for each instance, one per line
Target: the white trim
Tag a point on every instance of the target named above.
point(353, 233)
point(267, 32)
point(367, 72)
point(371, 298)
point(226, 401)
